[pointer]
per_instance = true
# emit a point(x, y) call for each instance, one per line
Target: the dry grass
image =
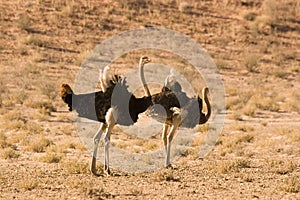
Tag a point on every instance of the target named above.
point(291, 184)
point(165, 175)
point(3, 141)
point(282, 167)
point(9, 153)
point(24, 22)
point(39, 145)
point(233, 166)
point(76, 167)
point(244, 128)
point(28, 184)
point(235, 143)
point(45, 107)
point(251, 63)
point(254, 45)
point(51, 157)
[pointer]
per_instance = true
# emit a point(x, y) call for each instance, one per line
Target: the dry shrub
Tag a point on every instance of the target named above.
point(3, 140)
point(264, 99)
point(262, 25)
point(282, 167)
point(9, 153)
point(24, 22)
point(51, 157)
point(251, 63)
point(39, 145)
point(240, 99)
point(166, 175)
point(48, 89)
point(76, 167)
point(233, 166)
point(281, 11)
point(28, 184)
point(45, 107)
point(291, 104)
point(33, 127)
point(231, 144)
point(3, 90)
point(34, 41)
point(291, 184)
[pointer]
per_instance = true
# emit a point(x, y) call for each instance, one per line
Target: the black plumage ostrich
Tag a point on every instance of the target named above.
point(178, 109)
point(99, 106)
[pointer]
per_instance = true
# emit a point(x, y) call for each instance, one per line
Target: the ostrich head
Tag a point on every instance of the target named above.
point(144, 60)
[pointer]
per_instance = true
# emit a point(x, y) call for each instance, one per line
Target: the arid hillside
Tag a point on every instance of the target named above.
point(256, 47)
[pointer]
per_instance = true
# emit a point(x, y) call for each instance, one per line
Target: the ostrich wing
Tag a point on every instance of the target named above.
point(92, 106)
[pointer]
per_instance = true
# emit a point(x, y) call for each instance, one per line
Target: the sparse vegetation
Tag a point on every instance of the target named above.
point(51, 157)
point(39, 145)
point(251, 63)
point(28, 184)
point(24, 22)
point(76, 167)
point(9, 153)
point(291, 184)
point(255, 47)
point(233, 166)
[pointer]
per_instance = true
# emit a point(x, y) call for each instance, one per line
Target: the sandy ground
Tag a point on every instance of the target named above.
point(255, 45)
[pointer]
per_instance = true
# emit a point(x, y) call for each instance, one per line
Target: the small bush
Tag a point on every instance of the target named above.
point(3, 140)
point(291, 184)
point(33, 127)
point(48, 89)
point(51, 157)
point(251, 63)
point(233, 166)
point(28, 184)
point(24, 22)
point(44, 107)
point(39, 145)
point(9, 153)
point(34, 41)
point(75, 167)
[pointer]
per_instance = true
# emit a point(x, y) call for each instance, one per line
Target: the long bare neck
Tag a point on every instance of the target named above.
point(142, 77)
point(206, 101)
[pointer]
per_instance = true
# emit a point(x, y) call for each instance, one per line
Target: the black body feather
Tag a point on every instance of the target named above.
point(95, 105)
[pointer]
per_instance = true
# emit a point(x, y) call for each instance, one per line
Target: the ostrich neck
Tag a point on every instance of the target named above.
point(146, 89)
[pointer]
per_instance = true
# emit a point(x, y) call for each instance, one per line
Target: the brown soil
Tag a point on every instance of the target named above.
point(255, 45)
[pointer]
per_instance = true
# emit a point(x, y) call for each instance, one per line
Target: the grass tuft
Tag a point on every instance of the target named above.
point(76, 167)
point(51, 157)
point(39, 145)
point(9, 153)
point(291, 184)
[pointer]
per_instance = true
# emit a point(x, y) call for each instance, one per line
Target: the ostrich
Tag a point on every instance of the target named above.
point(99, 106)
point(179, 109)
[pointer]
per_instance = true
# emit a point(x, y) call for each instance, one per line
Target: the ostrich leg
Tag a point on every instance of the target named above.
point(166, 127)
point(175, 124)
point(96, 140)
point(111, 122)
